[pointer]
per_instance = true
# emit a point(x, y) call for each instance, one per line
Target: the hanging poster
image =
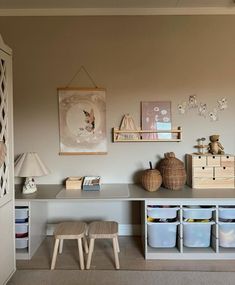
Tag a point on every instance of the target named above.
point(82, 121)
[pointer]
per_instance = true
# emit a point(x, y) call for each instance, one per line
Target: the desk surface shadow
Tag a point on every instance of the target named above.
point(107, 192)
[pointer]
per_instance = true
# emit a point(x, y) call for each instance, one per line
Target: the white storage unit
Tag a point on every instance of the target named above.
point(181, 239)
point(30, 227)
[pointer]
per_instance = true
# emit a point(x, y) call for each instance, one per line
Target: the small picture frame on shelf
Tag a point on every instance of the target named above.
point(156, 116)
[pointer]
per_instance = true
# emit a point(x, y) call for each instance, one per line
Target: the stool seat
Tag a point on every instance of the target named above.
point(103, 230)
point(70, 230)
point(106, 229)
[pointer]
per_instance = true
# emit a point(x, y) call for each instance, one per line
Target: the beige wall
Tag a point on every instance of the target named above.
point(135, 59)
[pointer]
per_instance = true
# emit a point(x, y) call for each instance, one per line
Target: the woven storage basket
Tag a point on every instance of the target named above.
point(172, 171)
point(151, 179)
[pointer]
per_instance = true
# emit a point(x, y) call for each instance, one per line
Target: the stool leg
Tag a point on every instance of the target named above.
point(61, 246)
point(55, 254)
point(118, 248)
point(115, 251)
point(85, 244)
point(80, 250)
point(91, 248)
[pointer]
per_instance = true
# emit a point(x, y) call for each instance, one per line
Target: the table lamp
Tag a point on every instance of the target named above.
point(29, 165)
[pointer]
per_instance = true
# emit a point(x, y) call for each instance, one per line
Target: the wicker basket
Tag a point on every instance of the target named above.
point(151, 179)
point(172, 171)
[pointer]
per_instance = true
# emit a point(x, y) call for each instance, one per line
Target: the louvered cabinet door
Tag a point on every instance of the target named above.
point(7, 246)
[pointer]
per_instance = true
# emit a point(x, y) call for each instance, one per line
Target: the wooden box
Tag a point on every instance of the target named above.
point(74, 183)
point(210, 171)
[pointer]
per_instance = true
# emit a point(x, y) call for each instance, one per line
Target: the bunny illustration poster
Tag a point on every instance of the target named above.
point(82, 117)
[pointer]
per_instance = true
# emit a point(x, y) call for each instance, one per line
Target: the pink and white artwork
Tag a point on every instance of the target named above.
point(82, 117)
point(156, 115)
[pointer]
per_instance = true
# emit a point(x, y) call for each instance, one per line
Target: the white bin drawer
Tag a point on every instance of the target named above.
point(197, 213)
point(21, 228)
point(162, 234)
point(21, 242)
point(197, 234)
point(21, 213)
point(227, 234)
point(227, 212)
point(162, 213)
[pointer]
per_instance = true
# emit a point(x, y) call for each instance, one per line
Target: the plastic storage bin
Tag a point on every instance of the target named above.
point(227, 212)
point(21, 213)
point(162, 234)
point(21, 243)
point(197, 213)
point(197, 234)
point(162, 213)
point(21, 228)
point(227, 234)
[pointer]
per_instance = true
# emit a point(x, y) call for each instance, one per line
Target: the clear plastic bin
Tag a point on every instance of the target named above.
point(197, 234)
point(21, 242)
point(227, 212)
point(21, 214)
point(162, 234)
point(21, 228)
point(227, 234)
point(162, 213)
point(197, 213)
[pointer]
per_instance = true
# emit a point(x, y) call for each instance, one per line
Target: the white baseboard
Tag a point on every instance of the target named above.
point(123, 229)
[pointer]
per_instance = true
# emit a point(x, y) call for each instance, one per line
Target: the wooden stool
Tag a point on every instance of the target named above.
point(103, 230)
point(70, 230)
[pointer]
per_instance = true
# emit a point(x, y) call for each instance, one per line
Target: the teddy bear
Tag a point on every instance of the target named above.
point(215, 146)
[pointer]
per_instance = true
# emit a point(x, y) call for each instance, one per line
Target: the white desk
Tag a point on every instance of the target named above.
point(130, 193)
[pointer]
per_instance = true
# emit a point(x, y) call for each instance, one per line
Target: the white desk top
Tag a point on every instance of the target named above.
point(126, 192)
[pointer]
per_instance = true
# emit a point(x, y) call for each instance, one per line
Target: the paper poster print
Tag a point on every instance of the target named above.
point(82, 117)
point(156, 115)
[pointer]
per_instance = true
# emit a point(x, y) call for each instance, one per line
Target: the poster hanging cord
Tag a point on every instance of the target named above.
point(82, 68)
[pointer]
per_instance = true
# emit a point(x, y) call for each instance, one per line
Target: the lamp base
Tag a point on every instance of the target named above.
point(29, 186)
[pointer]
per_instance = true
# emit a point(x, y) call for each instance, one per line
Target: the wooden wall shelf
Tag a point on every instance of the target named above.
point(148, 135)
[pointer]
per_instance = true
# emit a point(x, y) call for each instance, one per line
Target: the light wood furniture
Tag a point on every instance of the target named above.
point(175, 133)
point(70, 230)
point(103, 230)
point(211, 171)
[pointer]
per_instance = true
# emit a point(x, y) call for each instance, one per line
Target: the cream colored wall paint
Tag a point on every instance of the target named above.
point(136, 59)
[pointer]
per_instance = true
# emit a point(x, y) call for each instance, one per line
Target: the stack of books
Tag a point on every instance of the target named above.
point(91, 183)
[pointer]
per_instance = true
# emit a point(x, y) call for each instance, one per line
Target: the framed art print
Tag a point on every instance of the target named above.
point(82, 121)
point(156, 115)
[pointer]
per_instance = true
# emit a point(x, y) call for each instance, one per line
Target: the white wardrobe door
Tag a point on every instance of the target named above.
point(7, 238)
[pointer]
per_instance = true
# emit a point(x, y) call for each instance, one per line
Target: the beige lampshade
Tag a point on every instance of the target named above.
point(30, 165)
